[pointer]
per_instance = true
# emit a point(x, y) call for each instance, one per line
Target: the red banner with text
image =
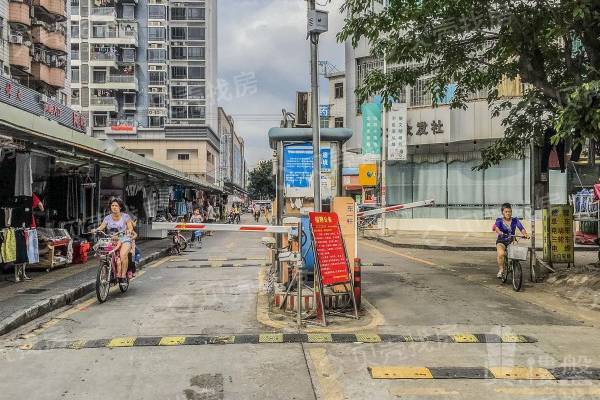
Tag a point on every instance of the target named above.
point(329, 248)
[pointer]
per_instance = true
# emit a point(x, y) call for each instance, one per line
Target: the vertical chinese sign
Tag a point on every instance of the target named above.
point(397, 137)
point(558, 234)
point(371, 128)
point(329, 248)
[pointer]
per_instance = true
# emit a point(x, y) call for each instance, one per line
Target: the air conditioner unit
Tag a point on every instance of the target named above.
point(43, 98)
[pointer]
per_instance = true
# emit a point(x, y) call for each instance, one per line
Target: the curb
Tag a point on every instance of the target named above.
point(455, 248)
point(21, 317)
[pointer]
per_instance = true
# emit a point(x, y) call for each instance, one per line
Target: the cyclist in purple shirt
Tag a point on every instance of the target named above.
point(506, 226)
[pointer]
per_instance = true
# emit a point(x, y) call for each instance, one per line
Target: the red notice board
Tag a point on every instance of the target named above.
point(329, 248)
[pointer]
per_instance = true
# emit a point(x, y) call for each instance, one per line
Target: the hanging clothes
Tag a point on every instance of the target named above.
point(33, 251)
point(23, 177)
point(22, 213)
point(7, 180)
point(9, 246)
point(21, 247)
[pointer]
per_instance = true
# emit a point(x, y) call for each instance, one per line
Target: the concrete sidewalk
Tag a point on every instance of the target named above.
point(450, 241)
point(47, 291)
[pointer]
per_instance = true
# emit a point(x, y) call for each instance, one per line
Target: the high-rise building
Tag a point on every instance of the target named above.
point(36, 53)
point(146, 73)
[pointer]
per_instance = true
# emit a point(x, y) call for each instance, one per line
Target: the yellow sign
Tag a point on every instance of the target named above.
point(558, 234)
point(367, 174)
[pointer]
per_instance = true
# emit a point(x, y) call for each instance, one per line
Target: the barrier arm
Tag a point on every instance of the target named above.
point(423, 203)
point(186, 226)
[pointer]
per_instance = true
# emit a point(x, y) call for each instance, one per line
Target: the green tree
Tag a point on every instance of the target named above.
point(261, 184)
point(553, 46)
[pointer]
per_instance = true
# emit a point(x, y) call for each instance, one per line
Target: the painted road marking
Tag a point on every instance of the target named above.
point(417, 259)
point(502, 373)
point(268, 337)
point(329, 386)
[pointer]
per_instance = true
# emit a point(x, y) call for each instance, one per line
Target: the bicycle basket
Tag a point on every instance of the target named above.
point(517, 252)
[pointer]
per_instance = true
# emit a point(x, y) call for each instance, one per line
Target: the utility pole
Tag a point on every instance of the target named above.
point(383, 155)
point(317, 24)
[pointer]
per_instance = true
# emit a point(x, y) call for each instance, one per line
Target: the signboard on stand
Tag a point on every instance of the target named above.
point(558, 234)
point(298, 168)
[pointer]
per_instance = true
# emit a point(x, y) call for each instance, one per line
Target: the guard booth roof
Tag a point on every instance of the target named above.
point(305, 135)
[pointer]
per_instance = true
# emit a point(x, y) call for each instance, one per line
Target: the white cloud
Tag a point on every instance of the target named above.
point(268, 38)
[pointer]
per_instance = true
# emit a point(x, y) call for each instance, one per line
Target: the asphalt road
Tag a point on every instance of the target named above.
point(419, 294)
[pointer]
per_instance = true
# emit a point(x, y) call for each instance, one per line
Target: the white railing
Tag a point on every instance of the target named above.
point(122, 79)
point(103, 11)
point(103, 101)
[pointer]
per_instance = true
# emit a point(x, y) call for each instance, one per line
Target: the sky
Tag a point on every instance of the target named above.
point(263, 59)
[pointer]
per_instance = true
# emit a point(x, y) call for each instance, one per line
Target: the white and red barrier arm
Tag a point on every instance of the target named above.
point(186, 226)
point(396, 207)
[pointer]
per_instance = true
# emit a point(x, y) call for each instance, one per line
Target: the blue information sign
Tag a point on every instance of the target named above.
point(298, 164)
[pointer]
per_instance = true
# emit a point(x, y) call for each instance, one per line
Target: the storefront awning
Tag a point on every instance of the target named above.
point(45, 134)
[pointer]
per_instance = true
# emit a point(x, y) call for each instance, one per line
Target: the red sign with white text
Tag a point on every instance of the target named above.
point(329, 248)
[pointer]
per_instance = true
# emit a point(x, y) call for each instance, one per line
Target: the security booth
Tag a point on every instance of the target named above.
point(293, 168)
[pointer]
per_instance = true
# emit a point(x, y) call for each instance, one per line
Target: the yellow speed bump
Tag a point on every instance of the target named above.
point(464, 338)
point(122, 342)
point(368, 338)
point(270, 338)
point(172, 341)
point(524, 373)
point(319, 338)
point(77, 345)
point(400, 373)
point(514, 339)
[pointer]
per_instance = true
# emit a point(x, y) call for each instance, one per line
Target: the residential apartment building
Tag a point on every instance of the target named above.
point(233, 160)
point(337, 100)
point(34, 50)
point(146, 73)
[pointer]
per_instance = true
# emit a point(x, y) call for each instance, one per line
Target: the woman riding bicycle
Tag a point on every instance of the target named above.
point(118, 222)
point(506, 227)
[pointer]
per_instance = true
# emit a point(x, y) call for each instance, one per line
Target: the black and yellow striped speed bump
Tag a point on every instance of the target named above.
point(140, 341)
point(372, 264)
point(218, 265)
point(505, 372)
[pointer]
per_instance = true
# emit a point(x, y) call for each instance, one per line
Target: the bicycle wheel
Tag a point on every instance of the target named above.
point(183, 244)
point(506, 271)
point(103, 281)
point(123, 286)
point(532, 270)
point(517, 275)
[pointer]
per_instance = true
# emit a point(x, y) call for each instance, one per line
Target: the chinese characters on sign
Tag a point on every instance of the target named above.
point(298, 168)
point(437, 128)
point(371, 128)
point(397, 140)
point(558, 234)
point(329, 248)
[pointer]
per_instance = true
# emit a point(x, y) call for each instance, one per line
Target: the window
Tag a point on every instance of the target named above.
point(157, 100)
point(339, 90)
point(157, 55)
point(196, 72)
point(210, 157)
point(196, 92)
point(74, 29)
point(339, 122)
point(177, 33)
point(178, 53)
point(196, 33)
point(196, 53)
point(183, 156)
point(179, 92)
point(156, 122)
point(157, 12)
point(177, 14)
point(157, 77)
point(324, 122)
point(196, 112)
point(178, 112)
point(128, 11)
point(99, 76)
point(178, 72)
point(75, 74)
point(156, 33)
point(195, 13)
point(128, 54)
point(100, 120)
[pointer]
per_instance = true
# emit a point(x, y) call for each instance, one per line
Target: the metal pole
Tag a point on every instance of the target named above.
point(316, 141)
point(533, 258)
point(383, 155)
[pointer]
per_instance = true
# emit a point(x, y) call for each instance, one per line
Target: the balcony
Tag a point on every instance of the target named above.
point(57, 77)
point(104, 104)
point(121, 126)
point(52, 39)
point(106, 59)
point(55, 7)
point(118, 82)
point(129, 105)
point(103, 14)
point(19, 13)
point(19, 56)
point(115, 34)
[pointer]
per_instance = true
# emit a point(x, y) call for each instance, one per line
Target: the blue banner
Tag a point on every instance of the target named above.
point(298, 164)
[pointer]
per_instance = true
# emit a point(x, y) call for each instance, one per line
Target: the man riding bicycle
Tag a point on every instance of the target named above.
point(506, 227)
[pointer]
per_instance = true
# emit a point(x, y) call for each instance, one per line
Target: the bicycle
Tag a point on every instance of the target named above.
point(512, 263)
point(180, 243)
point(107, 268)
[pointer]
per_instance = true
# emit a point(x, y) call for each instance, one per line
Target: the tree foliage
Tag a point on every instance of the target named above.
point(261, 184)
point(553, 46)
